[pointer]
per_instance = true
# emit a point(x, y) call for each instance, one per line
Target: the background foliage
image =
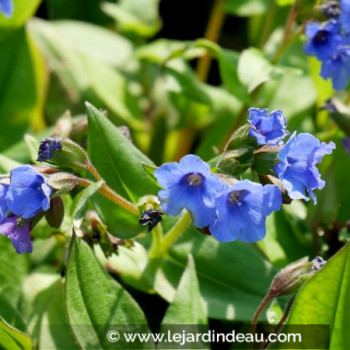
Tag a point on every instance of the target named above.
point(144, 65)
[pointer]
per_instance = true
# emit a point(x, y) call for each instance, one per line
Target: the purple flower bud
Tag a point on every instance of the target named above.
point(47, 147)
point(18, 233)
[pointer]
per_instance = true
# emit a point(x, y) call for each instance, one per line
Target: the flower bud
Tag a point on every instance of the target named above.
point(54, 216)
point(95, 232)
point(293, 276)
point(265, 159)
point(62, 182)
point(237, 161)
point(271, 180)
point(238, 153)
point(63, 152)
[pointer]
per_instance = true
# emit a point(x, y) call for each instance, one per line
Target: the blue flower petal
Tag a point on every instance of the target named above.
point(20, 236)
point(168, 174)
point(6, 7)
point(189, 185)
point(3, 205)
point(28, 192)
point(267, 128)
point(242, 211)
point(297, 168)
point(191, 163)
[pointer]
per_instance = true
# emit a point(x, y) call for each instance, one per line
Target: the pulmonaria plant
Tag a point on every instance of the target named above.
point(6, 7)
point(27, 194)
point(330, 43)
point(237, 209)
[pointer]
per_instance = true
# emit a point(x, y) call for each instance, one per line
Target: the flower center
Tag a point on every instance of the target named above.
point(235, 197)
point(321, 37)
point(194, 179)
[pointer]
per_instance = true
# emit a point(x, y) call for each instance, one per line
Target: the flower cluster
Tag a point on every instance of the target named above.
point(234, 209)
point(330, 43)
point(26, 195)
point(6, 7)
point(232, 212)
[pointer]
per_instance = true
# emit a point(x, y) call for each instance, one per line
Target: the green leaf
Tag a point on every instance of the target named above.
point(162, 50)
point(33, 147)
point(138, 17)
point(120, 164)
point(81, 67)
point(48, 320)
point(228, 65)
point(253, 69)
point(22, 87)
point(149, 170)
point(10, 313)
point(187, 306)
point(14, 268)
point(285, 2)
point(286, 239)
point(80, 202)
point(245, 7)
point(11, 338)
point(7, 164)
point(233, 277)
point(325, 299)
point(87, 11)
point(94, 301)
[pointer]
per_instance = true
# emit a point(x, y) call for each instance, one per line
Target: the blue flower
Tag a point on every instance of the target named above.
point(18, 233)
point(297, 168)
point(323, 40)
point(47, 147)
point(3, 205)
point(338, 68)
point(28, 192)
point(242, 210)
point(189, 185)
point(267, 128)
point(6, 7)
point(344, 18)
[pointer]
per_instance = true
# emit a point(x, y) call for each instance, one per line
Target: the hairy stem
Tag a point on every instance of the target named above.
point(281, 322)
point(157, 238)
point(159, 250)
point(94, 172)
point(114, 197)
point(257, 314)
